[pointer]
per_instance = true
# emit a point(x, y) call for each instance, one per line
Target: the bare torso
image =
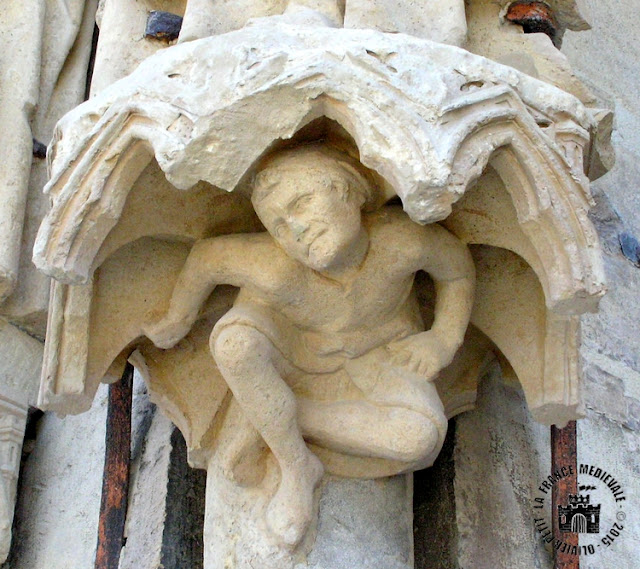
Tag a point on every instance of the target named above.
point(367, 307)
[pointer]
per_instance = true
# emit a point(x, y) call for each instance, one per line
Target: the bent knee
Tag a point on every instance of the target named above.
point(418, 440)
point(237, 344)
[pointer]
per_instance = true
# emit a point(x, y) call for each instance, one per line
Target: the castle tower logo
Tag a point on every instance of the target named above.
point(579, 515)
point(597, 512)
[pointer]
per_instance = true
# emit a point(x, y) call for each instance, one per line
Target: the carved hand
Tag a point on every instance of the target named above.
point(166, 332)
point(425, 353)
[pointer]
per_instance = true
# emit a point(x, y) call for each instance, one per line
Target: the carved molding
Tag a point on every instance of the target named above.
point(13, 418)
point(448, 110)
point(491, 160)
point(430, 119)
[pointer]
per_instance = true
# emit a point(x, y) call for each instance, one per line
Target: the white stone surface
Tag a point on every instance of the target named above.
point(463, 117)
point(500, 457)
point(13, 416)
point(20, 363)
point(612, 375)
point(442, 21)
point(21, 41)
point(311, 201)
point(122, 44)
point(613, 447)
point(57, 511)
point(606, 59)
point(146, 514)
point(66, 37)
point(492, 36)
point(366, 524)
point(428, 180)
point(20, 367)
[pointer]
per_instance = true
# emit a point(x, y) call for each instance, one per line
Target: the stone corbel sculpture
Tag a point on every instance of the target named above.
point(302, 348)
point(325, 341)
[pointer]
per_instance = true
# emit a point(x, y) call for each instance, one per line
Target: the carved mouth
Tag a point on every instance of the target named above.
point(313, 236)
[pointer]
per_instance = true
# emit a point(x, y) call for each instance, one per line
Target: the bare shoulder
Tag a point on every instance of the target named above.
point(233, 248)
point(414, 246)
point(246, 259)
point(397, 230)
point(391, 218)
point(243, 241)
point(392, 221)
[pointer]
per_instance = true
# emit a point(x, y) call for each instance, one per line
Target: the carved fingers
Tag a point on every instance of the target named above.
point(424, 354)
point(166, 333)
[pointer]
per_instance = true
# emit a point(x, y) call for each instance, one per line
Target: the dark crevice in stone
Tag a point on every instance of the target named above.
point(163, 26)
point(630, 248)
point(182, 544)
point(31, 430)
point(39, 149)
point(434, 511)
point(92, 61)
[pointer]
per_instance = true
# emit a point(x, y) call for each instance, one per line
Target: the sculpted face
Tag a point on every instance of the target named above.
point(312, 215)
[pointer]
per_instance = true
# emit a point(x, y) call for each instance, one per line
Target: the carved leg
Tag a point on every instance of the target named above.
point(363, 429)
point(252, 367)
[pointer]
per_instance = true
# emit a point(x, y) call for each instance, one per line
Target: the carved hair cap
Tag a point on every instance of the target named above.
point(315, 157)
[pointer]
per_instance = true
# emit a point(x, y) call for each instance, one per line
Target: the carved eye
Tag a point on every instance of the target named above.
point(534, 17)
point(302, 202)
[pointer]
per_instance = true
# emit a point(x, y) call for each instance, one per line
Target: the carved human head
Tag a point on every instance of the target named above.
point(310, 199)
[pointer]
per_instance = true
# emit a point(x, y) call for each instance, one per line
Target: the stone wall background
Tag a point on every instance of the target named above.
point(500, 455)
point(475, 507)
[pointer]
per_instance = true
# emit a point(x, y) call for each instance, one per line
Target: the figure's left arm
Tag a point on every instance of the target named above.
point(449, 263)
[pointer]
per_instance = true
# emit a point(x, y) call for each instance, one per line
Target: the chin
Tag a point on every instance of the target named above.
point(321, 263)
point(317, 265)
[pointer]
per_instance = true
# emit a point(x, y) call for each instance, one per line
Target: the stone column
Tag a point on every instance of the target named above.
point(366, 524)
point(13, 419)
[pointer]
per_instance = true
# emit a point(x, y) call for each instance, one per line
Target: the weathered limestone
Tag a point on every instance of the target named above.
point(151, 455)
point(320, 362)
point(364, 523)
point(494, 447)
point(62, 70)
point(257, 345)
point(13, 417)
point(20, 364)
point(46, 51)
point(297, 121)
point(20, 37)
point(40, 82)
point(443, 22)
point(61, 487)
point(122, 45)
point(427, 195)
point(500, 457)
point(492, 36)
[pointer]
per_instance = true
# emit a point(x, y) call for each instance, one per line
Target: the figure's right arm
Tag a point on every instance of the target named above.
point(211, 262)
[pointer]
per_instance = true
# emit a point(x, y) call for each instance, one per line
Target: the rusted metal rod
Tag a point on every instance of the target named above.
point(564, 454)
point(534, 17)
point(115, 483)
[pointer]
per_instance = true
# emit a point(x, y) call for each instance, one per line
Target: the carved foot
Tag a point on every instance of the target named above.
point(289, 513)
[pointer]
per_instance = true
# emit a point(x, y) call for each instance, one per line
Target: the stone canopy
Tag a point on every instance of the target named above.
point(427, 118)
point(445, 110)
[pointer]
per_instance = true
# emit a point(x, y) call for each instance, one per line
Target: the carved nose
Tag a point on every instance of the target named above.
point(298, 228)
